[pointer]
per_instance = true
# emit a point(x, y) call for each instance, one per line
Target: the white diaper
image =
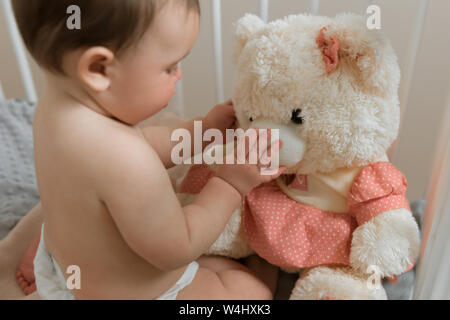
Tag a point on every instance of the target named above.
point(51, 284)
point(182, 283)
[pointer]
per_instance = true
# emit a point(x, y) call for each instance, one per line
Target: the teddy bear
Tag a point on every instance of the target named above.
point(338, 215)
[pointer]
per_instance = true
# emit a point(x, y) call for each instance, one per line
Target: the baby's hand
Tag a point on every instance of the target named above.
point(245, 177)
point(221, 117)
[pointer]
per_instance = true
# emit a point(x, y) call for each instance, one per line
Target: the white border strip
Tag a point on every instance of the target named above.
point(218, 59)
point(264, 10)
point(19, 51)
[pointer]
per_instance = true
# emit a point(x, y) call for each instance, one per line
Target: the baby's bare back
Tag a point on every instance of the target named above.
point(71, 146)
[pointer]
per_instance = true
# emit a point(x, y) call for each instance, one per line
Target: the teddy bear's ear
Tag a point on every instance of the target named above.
point(329, 47)
point(363, 54)
point(244, 28)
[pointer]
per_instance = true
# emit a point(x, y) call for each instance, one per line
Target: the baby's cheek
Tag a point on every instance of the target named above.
point(164, 96)
point(170, 92)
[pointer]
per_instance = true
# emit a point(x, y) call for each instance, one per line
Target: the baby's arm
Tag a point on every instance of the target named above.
point(24, 232)
point(219, 117)
point(139, 196)
point(159, 137)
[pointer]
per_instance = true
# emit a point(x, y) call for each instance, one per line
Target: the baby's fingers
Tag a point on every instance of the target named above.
point(269, 161)
point(278, 173)
point(270, 154)
point(251, 140)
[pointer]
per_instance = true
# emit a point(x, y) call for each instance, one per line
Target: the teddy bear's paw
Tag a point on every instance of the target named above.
point(324, 283)
point(388, 243)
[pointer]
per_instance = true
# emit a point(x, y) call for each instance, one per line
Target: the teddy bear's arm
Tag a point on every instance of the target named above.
point(390, 242)
point(388, 235)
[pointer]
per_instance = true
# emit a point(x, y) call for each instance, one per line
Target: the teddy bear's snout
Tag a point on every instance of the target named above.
point(293, 147)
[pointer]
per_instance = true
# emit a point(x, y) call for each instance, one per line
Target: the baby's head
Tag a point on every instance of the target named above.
point(125, 55)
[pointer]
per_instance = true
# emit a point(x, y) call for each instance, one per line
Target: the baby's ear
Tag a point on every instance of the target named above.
point(348, 46)
point(244, 28)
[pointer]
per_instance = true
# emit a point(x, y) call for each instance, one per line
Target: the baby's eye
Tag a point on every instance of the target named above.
point(172, 70)
point(296, 118)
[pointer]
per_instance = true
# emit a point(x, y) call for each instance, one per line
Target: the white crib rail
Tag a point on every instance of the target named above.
point(2, 95)
point(19, 51)
point(217, 34)
point(264, 10)
point(314, 6)
point(433, 276)
point(408, 74)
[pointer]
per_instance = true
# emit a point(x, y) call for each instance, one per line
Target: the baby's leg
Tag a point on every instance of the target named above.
point(12, 249)
point(219, 278)
point(263, 270)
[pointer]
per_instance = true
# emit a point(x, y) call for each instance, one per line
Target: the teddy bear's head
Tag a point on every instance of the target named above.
point(329, 84)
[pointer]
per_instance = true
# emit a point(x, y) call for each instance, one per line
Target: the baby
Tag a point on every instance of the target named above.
point(107, 200)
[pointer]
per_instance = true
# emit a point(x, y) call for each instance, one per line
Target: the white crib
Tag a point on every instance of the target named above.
point(433, 278)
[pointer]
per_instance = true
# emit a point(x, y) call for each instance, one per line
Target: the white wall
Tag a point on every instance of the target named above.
point(425, 102)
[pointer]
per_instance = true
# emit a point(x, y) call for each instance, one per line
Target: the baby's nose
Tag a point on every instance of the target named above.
point(179, 74)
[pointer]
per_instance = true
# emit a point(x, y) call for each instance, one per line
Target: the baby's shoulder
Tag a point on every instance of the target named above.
point(124, 146)
point(132, 167)
point(124, 163)
point(108, 149)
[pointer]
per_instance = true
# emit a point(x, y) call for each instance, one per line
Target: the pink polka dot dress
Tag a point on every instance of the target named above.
point(290, 234)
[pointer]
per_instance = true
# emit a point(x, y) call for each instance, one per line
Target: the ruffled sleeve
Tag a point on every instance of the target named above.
point(378, 188)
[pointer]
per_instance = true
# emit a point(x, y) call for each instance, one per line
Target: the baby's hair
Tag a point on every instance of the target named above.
point(115, 24)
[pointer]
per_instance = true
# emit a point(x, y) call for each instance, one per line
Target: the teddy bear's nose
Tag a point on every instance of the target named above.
point(296, 118)
point(293, 145)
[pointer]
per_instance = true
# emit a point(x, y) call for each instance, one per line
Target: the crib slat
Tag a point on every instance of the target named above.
point(264, 10)
point(314, 6)
point(408, 74)
point(2, 95)
point(217, 34)
point(433, 278)
point(19, 51)
point(366, 4)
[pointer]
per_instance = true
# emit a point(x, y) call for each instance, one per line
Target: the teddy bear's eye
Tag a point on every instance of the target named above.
point(296, 118)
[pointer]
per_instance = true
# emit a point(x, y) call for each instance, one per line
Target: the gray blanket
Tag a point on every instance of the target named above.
point(18, 190)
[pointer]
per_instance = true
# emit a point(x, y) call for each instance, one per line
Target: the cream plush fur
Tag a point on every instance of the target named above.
point(350, 117)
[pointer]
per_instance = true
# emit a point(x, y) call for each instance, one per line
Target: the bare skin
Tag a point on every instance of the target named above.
point(107, 199)
point(13, 247)
point(98, 216)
